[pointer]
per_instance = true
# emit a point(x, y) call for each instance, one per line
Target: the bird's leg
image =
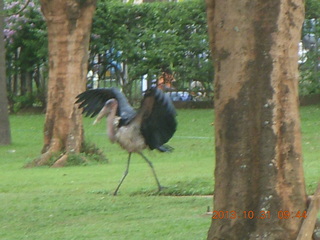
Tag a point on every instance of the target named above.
point(153, 171)
point(124, 175)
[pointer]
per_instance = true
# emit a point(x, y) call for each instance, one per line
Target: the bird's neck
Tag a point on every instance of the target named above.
point(111, 123)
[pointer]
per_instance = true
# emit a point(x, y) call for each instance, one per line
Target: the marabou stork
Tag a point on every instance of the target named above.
point(150, 126)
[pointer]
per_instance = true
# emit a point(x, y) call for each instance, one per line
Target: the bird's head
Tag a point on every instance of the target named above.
point(110, 105)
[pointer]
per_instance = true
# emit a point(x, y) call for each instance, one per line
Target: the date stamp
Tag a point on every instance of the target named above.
point(258, 215)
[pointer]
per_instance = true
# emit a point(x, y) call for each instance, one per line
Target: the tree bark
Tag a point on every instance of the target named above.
point(5, 134)
point(258, 139)
point(69, 26)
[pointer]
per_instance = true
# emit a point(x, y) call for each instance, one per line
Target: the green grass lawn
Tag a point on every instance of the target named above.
point(75, 202)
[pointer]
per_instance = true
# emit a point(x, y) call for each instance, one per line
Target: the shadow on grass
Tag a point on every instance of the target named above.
point(193, 187)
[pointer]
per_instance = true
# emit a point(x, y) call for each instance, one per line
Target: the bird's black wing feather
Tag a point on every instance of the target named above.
point(93, 100)
point(158, 118)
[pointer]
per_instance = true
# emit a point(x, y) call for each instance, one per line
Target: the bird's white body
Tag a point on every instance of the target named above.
point(129, 137)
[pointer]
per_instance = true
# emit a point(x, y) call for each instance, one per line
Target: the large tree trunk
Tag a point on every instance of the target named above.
point(5, 134)
point(258, 141)
point(69, 25)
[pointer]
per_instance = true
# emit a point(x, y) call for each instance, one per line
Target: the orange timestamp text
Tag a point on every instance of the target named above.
point(258, 215)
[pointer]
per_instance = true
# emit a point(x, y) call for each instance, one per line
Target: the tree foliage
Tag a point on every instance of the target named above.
point(128, 41)
point(312, 9)
point(310, 62)
point(26, 52)
point(152, 38)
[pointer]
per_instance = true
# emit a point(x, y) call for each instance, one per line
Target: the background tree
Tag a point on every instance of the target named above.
point(310, 50)
point(5, 134)
point(131, 41)
point(258, 139)
point(68, 25)
point(26, 55)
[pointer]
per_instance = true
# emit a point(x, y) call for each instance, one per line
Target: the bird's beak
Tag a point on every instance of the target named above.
point(104, 112)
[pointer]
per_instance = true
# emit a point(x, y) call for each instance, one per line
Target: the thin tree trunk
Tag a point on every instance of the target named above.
point(37, 79)
point(258, 140)
point(15, 76)
point(23, 82)
point(69, 25)
point(5, 134)
point(28, 78)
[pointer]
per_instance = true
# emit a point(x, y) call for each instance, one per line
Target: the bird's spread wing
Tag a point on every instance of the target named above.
point(158, 115)
point(93, 100)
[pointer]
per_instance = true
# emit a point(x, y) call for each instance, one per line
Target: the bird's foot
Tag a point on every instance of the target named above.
point(161, 188)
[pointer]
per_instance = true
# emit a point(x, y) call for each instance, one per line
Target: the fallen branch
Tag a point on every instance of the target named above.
point(308, 225)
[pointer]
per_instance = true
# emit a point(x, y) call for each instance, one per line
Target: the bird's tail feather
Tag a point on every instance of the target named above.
point(165, 148)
